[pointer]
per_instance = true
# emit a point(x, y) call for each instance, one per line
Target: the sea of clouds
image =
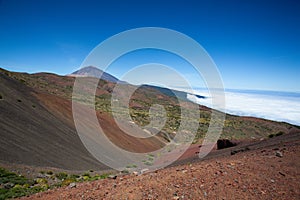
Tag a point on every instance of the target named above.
point(277, 106)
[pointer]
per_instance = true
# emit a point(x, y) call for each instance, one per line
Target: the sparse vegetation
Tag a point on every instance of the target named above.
point(277, 134)
point(131, 166)
point(61, 175)
point(22, 81)
point(49, 172)
point(149, 160)
point(13, 185)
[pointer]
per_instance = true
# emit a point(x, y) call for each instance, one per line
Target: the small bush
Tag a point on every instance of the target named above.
point(61, 175)
point(94, 178)
point(147, 162)
point(49, 172)
point(67, 182)
point(131, 166)
point(150, 158)
point(41, 181)
point(275, 135)
point(86, 174)
point(86, 178)
point(1, 96)
point(104, 176)
point(74, 176)
point(125, 171)
point(19, 100)
point(279, 133)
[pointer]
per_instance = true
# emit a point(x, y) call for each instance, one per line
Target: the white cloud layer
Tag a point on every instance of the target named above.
point(278, 106)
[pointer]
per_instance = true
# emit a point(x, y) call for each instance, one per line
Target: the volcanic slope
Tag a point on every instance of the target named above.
point(32, 135)
point(37, 126)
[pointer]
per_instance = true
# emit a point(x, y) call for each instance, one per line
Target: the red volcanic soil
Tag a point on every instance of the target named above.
point(267, 170)
point(62, 108)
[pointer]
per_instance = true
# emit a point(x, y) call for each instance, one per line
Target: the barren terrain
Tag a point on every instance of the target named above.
point(271, 170)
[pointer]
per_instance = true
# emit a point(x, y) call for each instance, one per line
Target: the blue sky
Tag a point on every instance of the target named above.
point(255, 44)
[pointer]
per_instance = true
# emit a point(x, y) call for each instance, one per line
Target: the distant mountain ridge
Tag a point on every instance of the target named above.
point(91, 71)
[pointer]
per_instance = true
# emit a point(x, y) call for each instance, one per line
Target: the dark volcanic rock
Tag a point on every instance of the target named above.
point(224, 143)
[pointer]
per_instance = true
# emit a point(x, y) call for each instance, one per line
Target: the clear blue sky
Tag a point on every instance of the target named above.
point(255, 44)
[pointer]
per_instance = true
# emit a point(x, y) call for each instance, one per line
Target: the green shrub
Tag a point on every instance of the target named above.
point(41, 181)
point(125, 171)
point(49, 172)
point(94, 178)
point(148, 162)
point(67, 182)
point(150, 158)
point(86, 178)
point(131, 166)
point(10, 177)
point(61, 175)
point(74, 176)
point(86, 174)
point(21, 186)
point(104, 176)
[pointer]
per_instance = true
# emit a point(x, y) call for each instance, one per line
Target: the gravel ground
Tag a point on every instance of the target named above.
point(266, 173)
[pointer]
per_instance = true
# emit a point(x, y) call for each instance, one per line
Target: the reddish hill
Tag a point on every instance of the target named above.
point(37, 127)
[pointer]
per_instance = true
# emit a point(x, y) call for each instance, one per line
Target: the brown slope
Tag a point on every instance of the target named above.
point(62, 108)
point(32, 135)
point(44, 133)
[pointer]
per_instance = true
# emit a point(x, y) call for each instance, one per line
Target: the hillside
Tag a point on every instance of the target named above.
point(38, 127)
point(37, 122)
point(31, 134)
point(38, 135)
point(265, 171)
